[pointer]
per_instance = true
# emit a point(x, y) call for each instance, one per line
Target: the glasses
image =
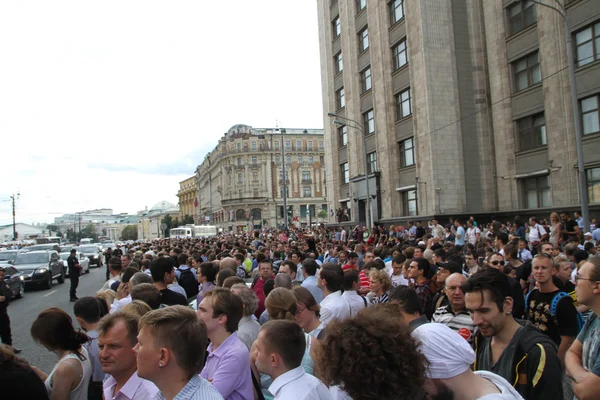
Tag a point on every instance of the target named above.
point(580, 278)
point(496, 262)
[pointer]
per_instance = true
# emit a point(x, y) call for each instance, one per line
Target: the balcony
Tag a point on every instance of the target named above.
point(287, 181)
point(307, 181)
point(239, 166)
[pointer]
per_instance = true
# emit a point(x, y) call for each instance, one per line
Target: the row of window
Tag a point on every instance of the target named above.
point(288, 145)
point(300, 159)
point(305, 210)
point(396, 13)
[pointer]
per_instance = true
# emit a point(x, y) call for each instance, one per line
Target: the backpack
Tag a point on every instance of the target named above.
point(187, 280)
point(554, 303)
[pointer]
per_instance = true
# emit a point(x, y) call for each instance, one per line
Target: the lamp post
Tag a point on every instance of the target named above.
point(283, 179)
point(358, 126)
point(14, 224)
point(583, 194)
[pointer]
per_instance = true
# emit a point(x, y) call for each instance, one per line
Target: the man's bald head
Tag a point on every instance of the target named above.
point(228, 263)
point(283, 280)
point(454, 292)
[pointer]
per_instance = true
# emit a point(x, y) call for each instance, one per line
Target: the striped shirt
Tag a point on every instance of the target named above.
point(365, 282)
point(460, 323)
point(196, 389)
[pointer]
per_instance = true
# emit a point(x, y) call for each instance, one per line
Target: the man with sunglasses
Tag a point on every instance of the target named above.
point(496, 261)
point(583, 358)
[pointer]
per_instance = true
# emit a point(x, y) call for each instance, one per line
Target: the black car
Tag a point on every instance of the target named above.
point(93, 253)
point(14, 280)
point(40, 267)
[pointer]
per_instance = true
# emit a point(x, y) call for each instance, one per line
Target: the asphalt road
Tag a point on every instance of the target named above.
point(23, 312)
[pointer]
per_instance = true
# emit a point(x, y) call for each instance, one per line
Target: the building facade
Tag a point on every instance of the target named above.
point(240, 182)
point(465, 106)
point(105, 221)
point(149, 222)
point(187, 197)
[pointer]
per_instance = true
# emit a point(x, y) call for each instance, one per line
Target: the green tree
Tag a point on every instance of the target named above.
point(130, 232)
point(52, 228)
point(168, 221)
point(322, 214)
point(187, 219)
point(71, 235)
point(89, 232)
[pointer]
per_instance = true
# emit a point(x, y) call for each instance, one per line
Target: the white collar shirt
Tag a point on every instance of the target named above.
point(355, 301)
point(334, 306)
point(296, 384)
point(135, 388)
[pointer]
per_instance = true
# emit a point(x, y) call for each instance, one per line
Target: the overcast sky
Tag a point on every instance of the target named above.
point(111, 104)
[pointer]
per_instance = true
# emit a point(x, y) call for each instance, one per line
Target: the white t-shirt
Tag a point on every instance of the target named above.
point(334, 306)
point(472, 234)
point(297, 384)
point(507, 391)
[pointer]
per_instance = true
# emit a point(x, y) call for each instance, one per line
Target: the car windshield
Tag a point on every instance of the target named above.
point(31, 258)
point(7, 255)
point(88, 249)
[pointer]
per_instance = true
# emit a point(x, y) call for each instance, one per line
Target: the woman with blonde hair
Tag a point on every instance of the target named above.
point(108, 296)
point(381, 283)
point(137, 308)
point(308, 312)
point(555, 229)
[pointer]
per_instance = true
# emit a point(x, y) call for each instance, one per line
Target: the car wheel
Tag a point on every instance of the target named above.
point(61, 278)
point(21, 292)
point(48, 283)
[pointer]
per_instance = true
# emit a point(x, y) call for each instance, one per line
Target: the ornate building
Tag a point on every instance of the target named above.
point(240, 182)
point(187, 197)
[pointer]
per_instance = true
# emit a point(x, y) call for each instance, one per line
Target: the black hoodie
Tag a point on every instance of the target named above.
point(530, 363)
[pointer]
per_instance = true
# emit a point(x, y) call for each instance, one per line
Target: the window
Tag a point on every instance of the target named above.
point(276, 145)
point(399, 55)
point(407, 153)
point(343, 135)
point(345, 173)
point(593, 183)
point(254, 160)
point(409, 202)
point(306, 191)
point(527, 71)
point(305, 175)
point(240, 193)
point(531, 132)
point(310, 160)
point(589, 115)
point(239, 146)
point(536, 192)
point(299, 159)
point(255, 192)
point(320, 145)
point(309, 145)
point(298, 144)
point(360, 5)
point(403, 107)
point(521, 15)
point(255, 177)
point(288, 145)
point(587, 42)
point(303, 210)
point(288, 159)
point(340, 98)
point(253, 146)
point(322, 160)
point(277, 160)
point(369, 122)
point(396, 11)
point(372, 162)
point(365, 79)
point(363, 40)
point(338, 62)
point(337, 28)
point(239, 162)
point(240, 178)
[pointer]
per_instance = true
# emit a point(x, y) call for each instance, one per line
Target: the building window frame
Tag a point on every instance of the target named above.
point(588, 50)
point(340, 98)
point(536, 192)
point(309, 145)
point(527, 71)
point(371, 162)
point(369, 122)
point(531, 132)
point(336, 26)
point(407, 153)
point(345, 173)
point(320, 145)
point(403, 104)
point(590, 114)
point(360, 5)
point(311, 160)
point(253, 146)
point(366, 82)
point(254, 160)
point(306, 191)
point(396, 9)
point(298, 144)
point(343, 135)
point(593, 184)
point(338, 62)
point(520, 15)
point(288, 144)
point(276, 145)
point(409, 202)
point(400, 55)
point(363, 39)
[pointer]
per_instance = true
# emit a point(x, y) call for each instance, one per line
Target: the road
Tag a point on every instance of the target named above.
point(23, 312)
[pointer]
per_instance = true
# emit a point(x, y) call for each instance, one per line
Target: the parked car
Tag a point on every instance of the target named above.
point(14, 280)
point(40, 267)
point(83, 261)
point(40, 247)
point(93, 253)
point(8, 255)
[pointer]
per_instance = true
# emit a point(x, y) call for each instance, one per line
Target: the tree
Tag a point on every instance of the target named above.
point(89, 232)
point(130, 232)
point(187, 219)
point(168, 221)
point(71, 235)
point(52, 228)
point(322, 214)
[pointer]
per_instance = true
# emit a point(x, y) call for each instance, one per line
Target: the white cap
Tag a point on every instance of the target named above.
point(587, 234)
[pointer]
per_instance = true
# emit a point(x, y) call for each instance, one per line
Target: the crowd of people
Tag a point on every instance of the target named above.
point(461, 311)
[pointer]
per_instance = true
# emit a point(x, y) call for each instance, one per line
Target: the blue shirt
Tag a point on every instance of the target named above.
point(311, 284)
point(183, 268)
point(196, 389)
point(460, 231)
point(596, 235)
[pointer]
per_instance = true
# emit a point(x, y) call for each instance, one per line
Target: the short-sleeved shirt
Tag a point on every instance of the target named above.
point(72, 261)
point(590, 339)
point(564, 323)
point(460, 231)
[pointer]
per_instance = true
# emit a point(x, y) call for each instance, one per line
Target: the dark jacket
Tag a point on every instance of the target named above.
point(8, 293)
point(535, 370)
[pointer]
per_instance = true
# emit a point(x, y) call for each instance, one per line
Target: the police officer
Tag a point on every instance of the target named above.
point(74, 270)
point(107, 255)
point(6, 294)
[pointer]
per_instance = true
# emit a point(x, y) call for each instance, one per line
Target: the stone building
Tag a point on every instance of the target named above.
point(187, 197)
point(240, 183)
point(465, 106)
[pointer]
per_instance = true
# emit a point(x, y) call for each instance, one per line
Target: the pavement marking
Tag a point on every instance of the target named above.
point(48, 294)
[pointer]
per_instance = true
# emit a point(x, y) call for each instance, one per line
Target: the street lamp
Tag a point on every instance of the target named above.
point(583, 194)
point(283, 179)
point(358, 126)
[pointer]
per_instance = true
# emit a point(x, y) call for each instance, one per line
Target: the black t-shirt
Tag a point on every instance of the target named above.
point(570, 226)
point(72, 261)
point(172, 298)
point(564, 323)
point(524, 270)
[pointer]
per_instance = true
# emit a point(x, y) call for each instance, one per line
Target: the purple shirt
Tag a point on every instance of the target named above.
point(228, 369)
point(205, 288)
point(136, 388)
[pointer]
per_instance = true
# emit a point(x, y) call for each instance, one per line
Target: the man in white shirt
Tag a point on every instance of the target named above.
point(333, 304)
point(351, 285)
point(536, 232)
point(473, 233)
point(279, 350)
point(117, 336)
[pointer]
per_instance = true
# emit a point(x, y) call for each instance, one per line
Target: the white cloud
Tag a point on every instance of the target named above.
point(111, 104)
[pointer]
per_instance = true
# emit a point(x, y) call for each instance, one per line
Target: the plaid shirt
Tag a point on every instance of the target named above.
point(425, 298)
point(196, 389)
